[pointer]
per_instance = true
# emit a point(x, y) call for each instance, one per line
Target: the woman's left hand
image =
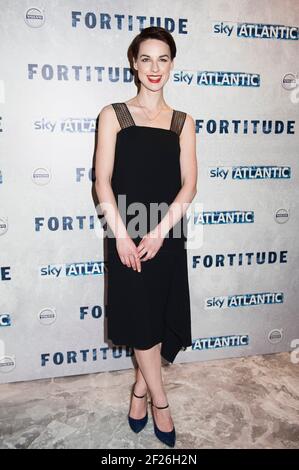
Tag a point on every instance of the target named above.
point(150, 244)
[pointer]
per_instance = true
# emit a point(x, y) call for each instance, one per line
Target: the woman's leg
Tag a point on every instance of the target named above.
point(141, 385)
point(138, 405)
point(149, 362)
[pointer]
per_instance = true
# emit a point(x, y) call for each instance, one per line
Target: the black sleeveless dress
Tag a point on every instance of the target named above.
point(153, 306)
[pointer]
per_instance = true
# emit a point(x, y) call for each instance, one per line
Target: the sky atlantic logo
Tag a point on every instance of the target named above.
point(244, 300)
point(69, 125)
point(216, 78)
point(217, 342)
point(224, 217)
point(82, 268)
point(256, 30)
point(250, 172)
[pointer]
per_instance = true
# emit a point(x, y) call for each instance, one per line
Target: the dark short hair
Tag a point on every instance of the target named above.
point(152, 32)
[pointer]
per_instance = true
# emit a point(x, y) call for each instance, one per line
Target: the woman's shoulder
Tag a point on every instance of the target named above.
point(108, 116)
point(108, 108)
point(185, 122)
point(111, 110)
point(185, 116)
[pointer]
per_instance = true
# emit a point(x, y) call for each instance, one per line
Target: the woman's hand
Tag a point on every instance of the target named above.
point(150, 244)
point(127, 251)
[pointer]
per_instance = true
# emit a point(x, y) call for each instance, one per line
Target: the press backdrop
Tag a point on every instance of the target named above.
point(236, 73)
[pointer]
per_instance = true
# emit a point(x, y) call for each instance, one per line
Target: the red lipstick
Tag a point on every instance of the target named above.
point(154, 78)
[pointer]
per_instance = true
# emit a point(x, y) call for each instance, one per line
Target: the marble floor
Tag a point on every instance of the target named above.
point(249, 402)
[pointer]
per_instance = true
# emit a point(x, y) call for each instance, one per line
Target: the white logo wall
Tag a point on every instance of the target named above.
point(236, 74)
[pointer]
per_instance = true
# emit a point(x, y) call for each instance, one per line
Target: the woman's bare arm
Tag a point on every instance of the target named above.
point(106, 140)
point(104, 168)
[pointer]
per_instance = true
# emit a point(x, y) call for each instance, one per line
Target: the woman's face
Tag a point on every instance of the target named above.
point(153, 63)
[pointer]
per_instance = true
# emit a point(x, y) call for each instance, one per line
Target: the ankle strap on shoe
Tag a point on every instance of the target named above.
point(160, 407)
point(137, 396)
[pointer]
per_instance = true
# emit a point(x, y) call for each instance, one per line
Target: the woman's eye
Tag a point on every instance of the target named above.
point(144, 60)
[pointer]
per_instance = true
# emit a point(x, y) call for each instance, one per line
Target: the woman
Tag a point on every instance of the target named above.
point(146, 153)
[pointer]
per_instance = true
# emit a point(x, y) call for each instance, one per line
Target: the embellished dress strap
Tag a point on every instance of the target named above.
point(177, 122)
point(123, 115)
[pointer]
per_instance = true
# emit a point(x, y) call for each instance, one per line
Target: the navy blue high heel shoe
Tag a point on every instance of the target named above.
point(167, 438)
point(138, 424)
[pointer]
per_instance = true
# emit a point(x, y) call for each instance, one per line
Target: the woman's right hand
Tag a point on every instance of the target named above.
point(128, 253)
